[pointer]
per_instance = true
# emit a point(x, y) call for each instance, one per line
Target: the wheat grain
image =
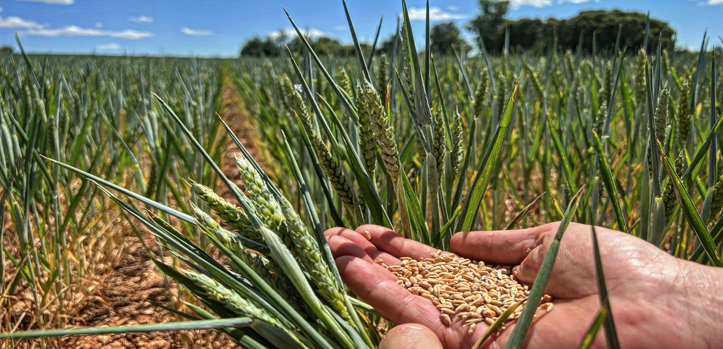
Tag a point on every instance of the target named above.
point(462, 288)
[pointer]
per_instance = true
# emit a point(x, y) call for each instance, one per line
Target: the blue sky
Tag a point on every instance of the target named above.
point(219, 27)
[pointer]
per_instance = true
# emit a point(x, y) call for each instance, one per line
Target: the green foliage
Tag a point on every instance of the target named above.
point(490, 20)
point(538, 34)
point(444, 37)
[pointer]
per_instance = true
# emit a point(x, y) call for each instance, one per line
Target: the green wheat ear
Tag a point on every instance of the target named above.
point(383, 129)
point(382, 76)
point(266, 206)
point(456, 154)
point(640, 78)
point(535, 81)
point(669, 195)
point(717, 198)
point(367, 138)
point(439, 146)
point(231, 300)
point(600, 118)
point(479, 95)
point(266, 268)
point(232, 215)
point(661, 116)
point(683, 115)
point(345, 81)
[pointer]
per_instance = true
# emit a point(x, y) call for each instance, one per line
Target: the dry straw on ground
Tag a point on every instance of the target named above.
point(462, 288)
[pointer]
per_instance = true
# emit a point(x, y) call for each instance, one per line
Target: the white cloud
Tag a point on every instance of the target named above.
point(338, 27)
point(195, 32)
point(111, 46)
point(17, 22)
point(99, 25)
point(53, 2)
point(715, 2)
point(141, 19)
point(452, 8)
point(534, 3)
point(435, 14)
point(290, 33)
point(572, 1)
point(74, 30)
point(1, 9)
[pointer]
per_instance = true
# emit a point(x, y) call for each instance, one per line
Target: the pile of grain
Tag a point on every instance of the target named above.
point(463, 288)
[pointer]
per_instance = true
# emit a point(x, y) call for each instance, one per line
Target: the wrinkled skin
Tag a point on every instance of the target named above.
point(658, 301)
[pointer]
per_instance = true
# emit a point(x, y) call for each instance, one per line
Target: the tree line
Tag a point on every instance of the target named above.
point(491, 28)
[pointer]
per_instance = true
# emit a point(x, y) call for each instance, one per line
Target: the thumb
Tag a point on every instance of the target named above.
point(410, 336)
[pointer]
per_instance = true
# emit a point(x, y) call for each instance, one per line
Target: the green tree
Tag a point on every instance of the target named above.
point(444, 36)
point(323, 46)
point(258, 47)
point(487, 23)
point(538, 34)
point(6, 49)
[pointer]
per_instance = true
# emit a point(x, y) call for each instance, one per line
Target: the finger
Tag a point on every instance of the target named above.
point(497, 247)
point(362, 241)
point(394, 302)
point(527, 271)
point(396, 245)
point(410, 336)
point(341, 246)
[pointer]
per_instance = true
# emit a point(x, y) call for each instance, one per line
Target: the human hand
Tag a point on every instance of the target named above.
point(657, 300)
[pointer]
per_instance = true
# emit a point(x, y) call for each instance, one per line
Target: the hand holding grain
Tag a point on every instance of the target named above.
point(657, 300)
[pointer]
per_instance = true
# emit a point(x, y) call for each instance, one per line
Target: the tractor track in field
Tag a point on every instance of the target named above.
point(150, 283)
point(119, 290)
point(245, 128)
